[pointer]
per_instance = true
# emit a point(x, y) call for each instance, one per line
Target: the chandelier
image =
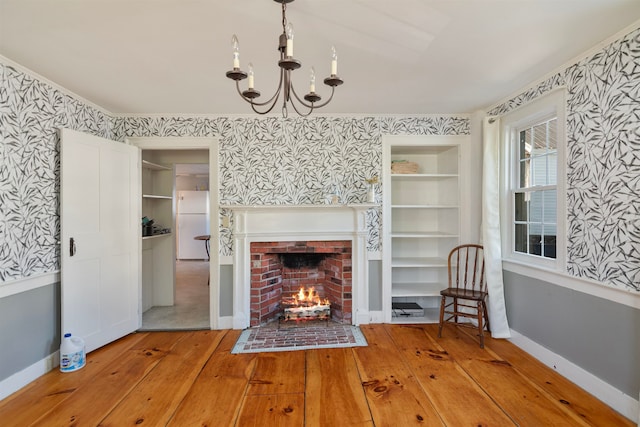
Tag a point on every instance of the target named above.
point(287, 64)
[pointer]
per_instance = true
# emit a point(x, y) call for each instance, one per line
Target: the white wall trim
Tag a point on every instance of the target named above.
point(376, 316)
point(279, 115)
point(226, 260)
point(28, 283)
point(374, 255)
point(585, 286)
point(624, 404)
point(20, 379)
point(172, 143)
point(225, 322)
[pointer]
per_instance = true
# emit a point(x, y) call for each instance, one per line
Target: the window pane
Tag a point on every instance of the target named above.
point(525, 144)
point(550, 203)
point(540, 138)
point(553, 135)
point(521, 238)
point(525, 173)
point(535, 248)
point(536, 206)
point(552, 169)
point(521, 207)
point(539, 170)
point(549, 239)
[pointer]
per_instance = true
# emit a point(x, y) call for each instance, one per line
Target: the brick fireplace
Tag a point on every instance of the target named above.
point(280, 269)
point(284, 226)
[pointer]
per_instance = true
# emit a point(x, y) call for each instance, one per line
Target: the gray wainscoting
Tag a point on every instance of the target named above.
point(599, 335)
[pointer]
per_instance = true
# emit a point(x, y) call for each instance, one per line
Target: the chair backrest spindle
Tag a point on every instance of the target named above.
point(467, 263)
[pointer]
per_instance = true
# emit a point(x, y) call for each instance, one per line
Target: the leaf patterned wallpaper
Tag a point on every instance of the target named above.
point(273, 160)
point(262, 161)
point(603, 162)
point(296, 160)
point(30, 113)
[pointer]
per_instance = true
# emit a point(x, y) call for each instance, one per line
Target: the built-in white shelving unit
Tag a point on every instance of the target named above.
point(158, 275)
point(421, 223)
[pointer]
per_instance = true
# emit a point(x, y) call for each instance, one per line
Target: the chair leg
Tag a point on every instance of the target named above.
point(486, 316)
point(455, 309)
point(480, 325)
point(442, 302)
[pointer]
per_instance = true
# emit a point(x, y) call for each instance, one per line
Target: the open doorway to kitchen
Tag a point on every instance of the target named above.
point(166, 149)
point(191, 305)
point(179, 302)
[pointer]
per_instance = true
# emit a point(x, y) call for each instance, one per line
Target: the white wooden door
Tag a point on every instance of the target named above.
point(100, 229)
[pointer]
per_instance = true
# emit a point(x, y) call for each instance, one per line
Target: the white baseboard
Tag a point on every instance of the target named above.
point(376, 317)
point(225, 322)
point(20, 379)
point(624, 404)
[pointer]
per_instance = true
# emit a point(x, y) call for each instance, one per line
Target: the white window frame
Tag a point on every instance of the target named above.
point(546, 107)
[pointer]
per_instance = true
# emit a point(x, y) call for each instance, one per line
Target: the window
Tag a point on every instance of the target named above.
point(535, 193)
point(534, 211)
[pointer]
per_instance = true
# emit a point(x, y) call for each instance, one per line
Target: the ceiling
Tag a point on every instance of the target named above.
point(395, 57)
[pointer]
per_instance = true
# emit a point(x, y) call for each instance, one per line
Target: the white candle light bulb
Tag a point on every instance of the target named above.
point(250, 74)
point(312, 81)
point(334, 61)
point(289, 33)
point(236, 51)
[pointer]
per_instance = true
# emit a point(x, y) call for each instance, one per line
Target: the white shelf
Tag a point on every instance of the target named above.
point(423, 176)
point(418, 262)
point(431, 315)
point(419, 289)
point(155, 236)
point(154, 196)
point(424, 207)
point(420, 149)
point(422, 234)
point(154, 166)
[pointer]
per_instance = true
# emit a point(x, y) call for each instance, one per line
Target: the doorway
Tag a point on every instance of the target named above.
point(190, 310)
point(187, 180)
point(190, 160)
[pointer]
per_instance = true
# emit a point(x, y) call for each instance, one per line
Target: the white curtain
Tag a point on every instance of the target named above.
point(491, 227)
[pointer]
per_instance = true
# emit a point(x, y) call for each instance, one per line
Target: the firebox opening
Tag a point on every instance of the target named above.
point(303, 260)
point(280, 269)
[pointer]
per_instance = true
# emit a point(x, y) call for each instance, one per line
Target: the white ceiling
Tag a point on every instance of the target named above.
point(395, 56)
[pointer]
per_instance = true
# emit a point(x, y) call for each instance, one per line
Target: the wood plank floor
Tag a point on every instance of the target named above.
point(405, 377)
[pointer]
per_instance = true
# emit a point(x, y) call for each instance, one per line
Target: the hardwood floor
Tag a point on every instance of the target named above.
point(406, 376)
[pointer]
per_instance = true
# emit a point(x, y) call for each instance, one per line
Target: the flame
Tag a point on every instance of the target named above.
point(309, 297)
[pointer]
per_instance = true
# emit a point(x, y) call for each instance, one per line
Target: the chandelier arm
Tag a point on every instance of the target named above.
point(274, 98)
point(267, 111)
point(333, 89)
point(250, 101)
point(293, 104)
point(312, 106)
point(300, 100)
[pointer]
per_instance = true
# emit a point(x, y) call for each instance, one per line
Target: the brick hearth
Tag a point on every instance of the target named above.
point(271, 280)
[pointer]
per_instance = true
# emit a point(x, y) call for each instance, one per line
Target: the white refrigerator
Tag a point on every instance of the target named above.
point(192, 220)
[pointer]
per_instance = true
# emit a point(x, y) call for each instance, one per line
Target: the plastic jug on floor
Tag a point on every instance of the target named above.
point(72, 354)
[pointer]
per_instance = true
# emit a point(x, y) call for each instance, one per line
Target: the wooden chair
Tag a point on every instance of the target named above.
point(467, 290)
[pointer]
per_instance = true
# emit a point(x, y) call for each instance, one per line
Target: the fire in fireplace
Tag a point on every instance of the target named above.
point(306, 304)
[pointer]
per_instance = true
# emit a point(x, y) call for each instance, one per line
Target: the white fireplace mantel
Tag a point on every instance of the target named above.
point(277, 223)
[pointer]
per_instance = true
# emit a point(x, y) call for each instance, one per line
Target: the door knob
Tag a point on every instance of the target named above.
point(72, 247)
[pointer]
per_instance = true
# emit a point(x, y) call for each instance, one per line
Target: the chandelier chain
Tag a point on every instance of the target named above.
point(284, 17)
